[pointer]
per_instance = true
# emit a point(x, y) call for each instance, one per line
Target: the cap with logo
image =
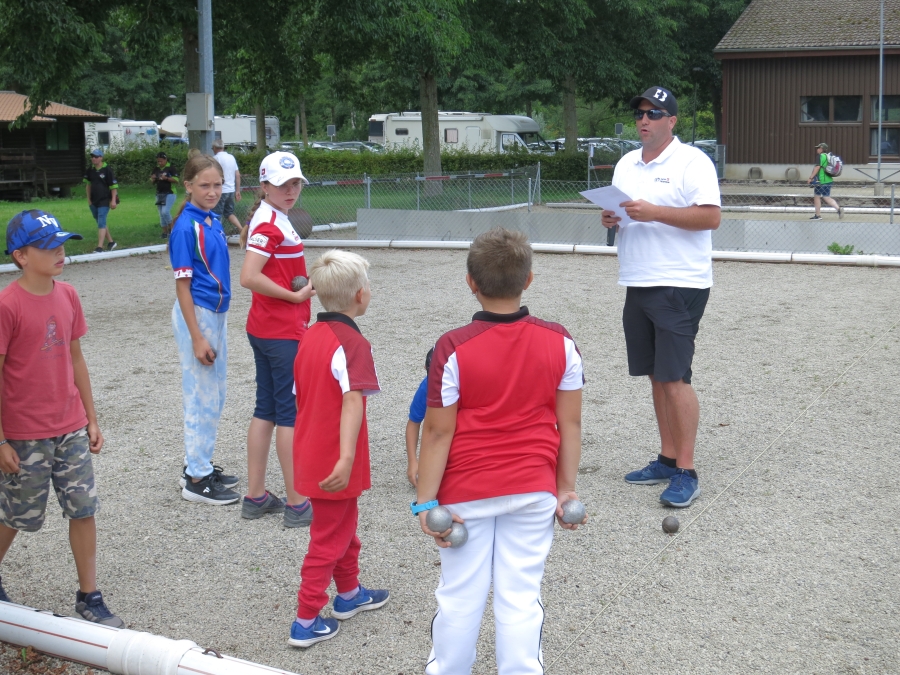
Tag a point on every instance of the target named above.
point(97, 153)
point(280, 167)
point(824, 146)
point(659, 97)
point(161, 155)
point(35, 228)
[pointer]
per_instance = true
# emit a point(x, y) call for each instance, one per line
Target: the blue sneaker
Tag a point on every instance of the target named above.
point(655, 472)
point(361, 602)
point(682, 490)
point(91, 607)
point(321, 630)
point(3, 596)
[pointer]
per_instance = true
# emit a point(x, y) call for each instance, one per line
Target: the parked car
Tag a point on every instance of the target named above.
point(359, 146)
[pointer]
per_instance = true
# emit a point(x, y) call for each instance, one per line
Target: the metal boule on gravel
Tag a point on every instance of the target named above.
point(458, 536)
point(439, 519)
point(670, 524)
point(573, 512)
point(298, 282)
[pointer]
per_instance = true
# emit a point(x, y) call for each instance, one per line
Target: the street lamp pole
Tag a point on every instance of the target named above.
point(172, 98)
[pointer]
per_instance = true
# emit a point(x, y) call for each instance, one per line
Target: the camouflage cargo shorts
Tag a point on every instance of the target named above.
point(63, 461)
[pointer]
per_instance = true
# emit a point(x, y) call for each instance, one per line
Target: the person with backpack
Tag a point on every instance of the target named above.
point(821, 179)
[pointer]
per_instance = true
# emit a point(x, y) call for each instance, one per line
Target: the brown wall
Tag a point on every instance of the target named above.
point(761, 106)
point(63, 167)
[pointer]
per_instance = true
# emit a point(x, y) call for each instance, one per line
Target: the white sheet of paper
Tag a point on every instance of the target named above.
point(609, 199)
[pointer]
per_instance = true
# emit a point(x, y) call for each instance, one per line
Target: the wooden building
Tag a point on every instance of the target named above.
point(47, 156)
point(801, 72)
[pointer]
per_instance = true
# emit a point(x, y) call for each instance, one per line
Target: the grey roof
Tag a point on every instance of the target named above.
point(769, 25)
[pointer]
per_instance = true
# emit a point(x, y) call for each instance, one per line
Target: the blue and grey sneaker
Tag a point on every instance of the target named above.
point(3, 596)
point(92, 608)
point(321, 630)
point(363, 601)
point(253, 509)
point(224, 479)
point(298, 516)
point(682, 490)
point(655, 472)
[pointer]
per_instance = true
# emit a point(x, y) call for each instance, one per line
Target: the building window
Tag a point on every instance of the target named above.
point(890, 109)
point(58, 137)
point(451, 135)
point(401, 132)
point(830, 109)
point(814, 108)
point(103, 138)
point(890, 141)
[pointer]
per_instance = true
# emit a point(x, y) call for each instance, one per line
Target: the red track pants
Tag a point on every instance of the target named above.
point(333, 553)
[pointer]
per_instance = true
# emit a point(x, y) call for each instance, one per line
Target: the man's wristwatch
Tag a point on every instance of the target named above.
point(418, 508)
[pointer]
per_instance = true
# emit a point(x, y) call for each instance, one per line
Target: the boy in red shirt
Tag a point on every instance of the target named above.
point(48, 425)
point(501, 443)
point(333, 374)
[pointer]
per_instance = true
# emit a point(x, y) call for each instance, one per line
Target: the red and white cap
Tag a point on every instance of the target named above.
point(280, 167)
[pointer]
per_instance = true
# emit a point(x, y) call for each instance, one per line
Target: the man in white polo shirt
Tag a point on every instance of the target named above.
point(231, 185)
point(665, 261)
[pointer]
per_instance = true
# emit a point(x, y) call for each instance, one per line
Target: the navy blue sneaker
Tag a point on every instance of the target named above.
point(363, 601)
point(655, 472)
point(321, 630)
point(90, 607)
point(682, 490)
point(3, 596)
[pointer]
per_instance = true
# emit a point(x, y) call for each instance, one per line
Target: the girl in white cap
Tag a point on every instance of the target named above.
point(278, 318)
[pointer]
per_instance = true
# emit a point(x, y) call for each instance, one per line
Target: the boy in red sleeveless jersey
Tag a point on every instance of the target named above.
point(334, 373)
point(501, 443)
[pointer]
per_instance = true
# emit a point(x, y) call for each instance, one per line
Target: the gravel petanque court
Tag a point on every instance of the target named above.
point(792, 568)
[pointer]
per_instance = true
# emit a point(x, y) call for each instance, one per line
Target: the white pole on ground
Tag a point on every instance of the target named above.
point(120, 651)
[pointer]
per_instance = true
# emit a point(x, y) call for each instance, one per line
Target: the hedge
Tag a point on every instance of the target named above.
point(134, 166)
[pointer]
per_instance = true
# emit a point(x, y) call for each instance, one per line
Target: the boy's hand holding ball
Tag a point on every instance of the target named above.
point(453, 526)
point(569, 511)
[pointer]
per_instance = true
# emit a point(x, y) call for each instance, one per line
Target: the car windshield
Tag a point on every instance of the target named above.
point(534, 141)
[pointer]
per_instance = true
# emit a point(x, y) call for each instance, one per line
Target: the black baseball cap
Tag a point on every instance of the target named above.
point(161, 155)
point(659, 97)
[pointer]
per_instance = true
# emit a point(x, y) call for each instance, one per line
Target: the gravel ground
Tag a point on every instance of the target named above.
point(787, 564)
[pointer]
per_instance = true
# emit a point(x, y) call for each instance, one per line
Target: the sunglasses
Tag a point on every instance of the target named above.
point(654, 114)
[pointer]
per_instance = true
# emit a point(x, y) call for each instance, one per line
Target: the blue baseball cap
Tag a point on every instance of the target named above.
point(35, 228)
point(97, 153)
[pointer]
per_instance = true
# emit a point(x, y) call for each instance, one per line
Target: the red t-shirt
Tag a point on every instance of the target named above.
point(503, 372)
point(271, 235)
point(39, 397)
point(333, 358)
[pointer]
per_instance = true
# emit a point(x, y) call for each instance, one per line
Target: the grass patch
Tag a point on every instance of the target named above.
point(134, 223)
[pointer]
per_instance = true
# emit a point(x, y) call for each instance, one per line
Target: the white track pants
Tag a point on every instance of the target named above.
point(509, 539)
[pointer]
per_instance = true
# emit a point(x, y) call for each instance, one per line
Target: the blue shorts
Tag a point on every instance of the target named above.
point(822, 189)
point(225, 207)
point(275, 400)
point(100, 213)
point(660, 324)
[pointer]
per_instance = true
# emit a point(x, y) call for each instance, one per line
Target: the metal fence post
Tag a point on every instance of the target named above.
point(538, 188)
point(512, 188)
point(368, 182)
point(892, 202)
point(529, 194)
point(417, 190)
point(470, 190)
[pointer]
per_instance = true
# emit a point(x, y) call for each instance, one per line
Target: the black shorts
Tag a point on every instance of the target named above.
point(660, 324)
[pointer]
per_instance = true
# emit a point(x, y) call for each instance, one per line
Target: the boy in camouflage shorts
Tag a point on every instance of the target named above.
point(48, 425)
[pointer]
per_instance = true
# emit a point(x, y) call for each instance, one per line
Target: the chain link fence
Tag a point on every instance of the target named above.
point(755, 217)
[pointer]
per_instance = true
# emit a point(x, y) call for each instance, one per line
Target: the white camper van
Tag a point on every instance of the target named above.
point(120, 134)
point(239, 130)
point(475, 131)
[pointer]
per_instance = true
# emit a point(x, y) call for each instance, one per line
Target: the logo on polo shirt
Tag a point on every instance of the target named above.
point(661, 180)
point(258, 240)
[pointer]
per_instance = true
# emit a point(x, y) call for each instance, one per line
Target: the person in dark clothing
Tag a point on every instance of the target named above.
point(163, 176)
point(102, 195)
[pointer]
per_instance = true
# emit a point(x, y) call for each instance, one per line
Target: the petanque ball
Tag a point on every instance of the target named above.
point(458, 536)
point(438, 519)
point(573, 512)
point(298, 282)
point(670, 524)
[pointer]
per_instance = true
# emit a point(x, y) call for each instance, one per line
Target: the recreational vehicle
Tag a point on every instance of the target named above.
point(239, 130)
point(474, 131)
point(120, 134)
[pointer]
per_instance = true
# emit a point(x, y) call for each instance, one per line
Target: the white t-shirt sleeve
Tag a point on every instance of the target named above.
point(701, 184)
point(450, 381)
point(339, 369)
point(573, 378)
